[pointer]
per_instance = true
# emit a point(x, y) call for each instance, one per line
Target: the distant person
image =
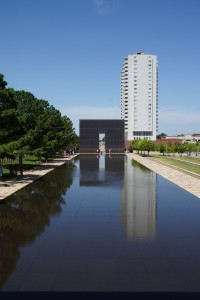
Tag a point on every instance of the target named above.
point(20, 160)
point(21, 169)
point(11, 170)
point(16, 169)
point(1, 172)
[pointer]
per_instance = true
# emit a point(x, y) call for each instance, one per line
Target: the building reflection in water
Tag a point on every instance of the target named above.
point(137, 186)
point(138, 201)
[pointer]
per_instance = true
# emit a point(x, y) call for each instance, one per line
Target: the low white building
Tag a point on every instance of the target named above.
point(187, 138)
point(191, 138)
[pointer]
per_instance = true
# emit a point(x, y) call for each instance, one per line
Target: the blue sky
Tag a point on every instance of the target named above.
point(70, 53)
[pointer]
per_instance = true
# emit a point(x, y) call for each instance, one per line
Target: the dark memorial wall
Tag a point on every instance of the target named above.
point(89, 135)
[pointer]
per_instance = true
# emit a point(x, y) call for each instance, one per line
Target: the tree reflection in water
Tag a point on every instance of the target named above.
point(25, 214)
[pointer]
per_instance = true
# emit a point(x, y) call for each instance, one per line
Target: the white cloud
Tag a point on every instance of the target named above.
point(178, 120)
point(103, 7)
point(75, 113)
point(170, 120)
point(178, 116)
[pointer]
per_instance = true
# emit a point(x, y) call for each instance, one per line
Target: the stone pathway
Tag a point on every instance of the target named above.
point(9, 187)
point(185, 181)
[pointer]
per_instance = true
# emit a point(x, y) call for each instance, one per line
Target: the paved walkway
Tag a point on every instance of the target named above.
point(9, 187)
point(185, 181)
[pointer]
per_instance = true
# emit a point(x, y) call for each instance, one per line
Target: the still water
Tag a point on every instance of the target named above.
point(100, 224)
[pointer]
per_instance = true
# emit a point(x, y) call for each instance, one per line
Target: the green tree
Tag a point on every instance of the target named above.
point(134, 146)
point(182, 149)
point(189, 148)
point(169, 148)
point(32, 123)
point(147, 145)
point(51, 131)
point(197, 148)
point(8, 117)
point(29, 108)
point(161, 135)
point(162, 148)
point(173, 149)
point(3, 83)
point(176, 147)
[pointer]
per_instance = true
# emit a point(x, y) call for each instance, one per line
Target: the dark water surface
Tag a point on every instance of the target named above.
point(100, 224)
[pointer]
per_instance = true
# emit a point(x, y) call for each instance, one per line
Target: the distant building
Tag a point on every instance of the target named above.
point(192, 138)
point(139, 96)
point(175, 137)
point(169, 141)
point(187, 138)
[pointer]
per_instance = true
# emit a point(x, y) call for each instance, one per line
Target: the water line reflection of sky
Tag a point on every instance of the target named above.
point(100, 223)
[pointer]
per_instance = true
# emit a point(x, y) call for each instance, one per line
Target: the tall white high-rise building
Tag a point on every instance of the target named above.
point(139, 96)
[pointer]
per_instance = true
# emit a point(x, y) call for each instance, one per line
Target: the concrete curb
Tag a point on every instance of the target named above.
point(176, 168)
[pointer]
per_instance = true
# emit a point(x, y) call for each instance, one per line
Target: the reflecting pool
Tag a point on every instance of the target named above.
point(100, 223)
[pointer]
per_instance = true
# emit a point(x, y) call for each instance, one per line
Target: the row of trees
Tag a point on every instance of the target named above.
point(31, 124)
point(142, 146)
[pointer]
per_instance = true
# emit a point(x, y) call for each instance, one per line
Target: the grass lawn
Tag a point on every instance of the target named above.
point(176, 163)
point(195, 160)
